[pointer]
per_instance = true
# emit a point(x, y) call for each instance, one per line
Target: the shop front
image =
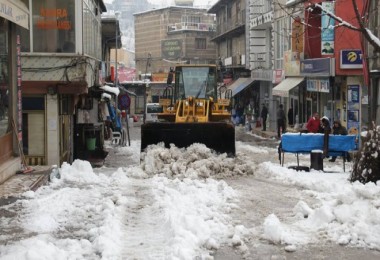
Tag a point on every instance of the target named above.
point(13, 15)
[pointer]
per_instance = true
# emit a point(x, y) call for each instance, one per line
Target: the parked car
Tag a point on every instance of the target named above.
point(151, 111)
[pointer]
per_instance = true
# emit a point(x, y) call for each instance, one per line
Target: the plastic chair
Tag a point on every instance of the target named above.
point(116, 138)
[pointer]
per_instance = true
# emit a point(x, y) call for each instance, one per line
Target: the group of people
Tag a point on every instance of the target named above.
point(318, 125)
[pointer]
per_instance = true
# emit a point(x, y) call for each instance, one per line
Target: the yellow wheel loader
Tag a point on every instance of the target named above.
point(193, 111)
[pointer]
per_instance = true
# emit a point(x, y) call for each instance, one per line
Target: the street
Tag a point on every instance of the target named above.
point(193, 205)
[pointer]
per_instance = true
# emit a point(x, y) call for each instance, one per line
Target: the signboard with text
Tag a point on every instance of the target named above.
point(318, 67)
point(171, 49)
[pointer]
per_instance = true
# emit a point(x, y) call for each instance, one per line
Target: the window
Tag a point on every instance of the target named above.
point(200, 43)
point(53, 26)
point(91, 29)
point(282, 40)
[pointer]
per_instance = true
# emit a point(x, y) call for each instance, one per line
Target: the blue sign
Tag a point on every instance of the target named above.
point(351, 59)
point(317, 67)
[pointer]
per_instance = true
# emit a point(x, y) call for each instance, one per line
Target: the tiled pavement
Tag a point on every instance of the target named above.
point(12, 188)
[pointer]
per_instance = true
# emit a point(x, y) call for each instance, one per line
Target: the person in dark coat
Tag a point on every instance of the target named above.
point(338, 129)
point(326, 130)
point(281, 121)
point(290, 117)
point(264, 116)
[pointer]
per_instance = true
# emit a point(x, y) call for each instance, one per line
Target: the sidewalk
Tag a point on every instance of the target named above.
point(12, 188)
point(266, 134)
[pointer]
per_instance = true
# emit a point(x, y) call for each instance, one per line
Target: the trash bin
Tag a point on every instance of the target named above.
point(316, 160)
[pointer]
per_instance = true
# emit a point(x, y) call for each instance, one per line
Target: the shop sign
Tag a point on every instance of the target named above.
point(278, 76)
point(351, 59)
point(318, 67)
point(171, 49)
point(297, 37)
point(12, 12)
point(292, 63)
point(318, 85)
point(54, 19)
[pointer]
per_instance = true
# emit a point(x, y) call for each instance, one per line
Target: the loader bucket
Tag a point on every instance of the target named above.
point(218, 136)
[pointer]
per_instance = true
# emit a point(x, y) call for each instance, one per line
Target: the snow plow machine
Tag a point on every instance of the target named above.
point(193, 111)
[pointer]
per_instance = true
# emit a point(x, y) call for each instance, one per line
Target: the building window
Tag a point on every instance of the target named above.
point(53, 27)
point(282, 40)
point(4, 76)
point(91, 29)
point(200, 43)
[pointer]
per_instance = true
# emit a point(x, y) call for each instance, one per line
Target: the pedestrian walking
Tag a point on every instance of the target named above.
point(281, 120)
point(264, 116)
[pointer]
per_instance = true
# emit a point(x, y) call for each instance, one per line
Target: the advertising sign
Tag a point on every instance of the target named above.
point(351, 59)
point(318, 85)
point(327, 30)
point(317, 67)
point(297, 37)
point(291, 63)
point(353, 110)
point(171, 49)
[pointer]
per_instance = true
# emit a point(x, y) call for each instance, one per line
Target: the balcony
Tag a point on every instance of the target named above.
point(203, 27)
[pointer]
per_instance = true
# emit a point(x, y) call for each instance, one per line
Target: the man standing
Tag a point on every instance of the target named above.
point(264, 116)
point(281, 118)
point(314, 124)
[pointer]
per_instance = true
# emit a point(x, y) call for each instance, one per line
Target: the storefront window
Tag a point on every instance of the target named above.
point(4, 77)
point(53, 26)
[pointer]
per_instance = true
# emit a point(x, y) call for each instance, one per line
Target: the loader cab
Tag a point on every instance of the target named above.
point(195, 81)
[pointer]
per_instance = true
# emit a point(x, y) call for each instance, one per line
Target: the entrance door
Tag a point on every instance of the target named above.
point(309, 108)
point(33, 130)
point(294, 114)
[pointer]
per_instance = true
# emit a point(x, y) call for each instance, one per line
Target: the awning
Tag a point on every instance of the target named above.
point(15, 11)
point(286, 85)
point(240, 84)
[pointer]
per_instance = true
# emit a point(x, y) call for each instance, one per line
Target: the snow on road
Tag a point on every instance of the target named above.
point(183, 204)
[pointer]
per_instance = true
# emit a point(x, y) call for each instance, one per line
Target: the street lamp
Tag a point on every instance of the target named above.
point(117, 20)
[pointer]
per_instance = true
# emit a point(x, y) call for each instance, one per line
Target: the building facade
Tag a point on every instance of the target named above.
point(321, 61)
point(176, 34)
point(61, 61)
point(14, 15)
point(231, 43)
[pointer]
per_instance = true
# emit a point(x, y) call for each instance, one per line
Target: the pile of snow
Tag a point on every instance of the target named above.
point(347, 213)
point(195, 161)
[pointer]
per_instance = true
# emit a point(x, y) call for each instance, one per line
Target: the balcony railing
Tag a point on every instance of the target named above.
point(192, 27)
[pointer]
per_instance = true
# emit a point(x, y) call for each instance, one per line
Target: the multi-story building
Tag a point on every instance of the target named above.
point(322, 61)
point(13, 16)
point(231, 44)
point(261, 54)
point(168, 36)
point(61, 63)
point(175, 34)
